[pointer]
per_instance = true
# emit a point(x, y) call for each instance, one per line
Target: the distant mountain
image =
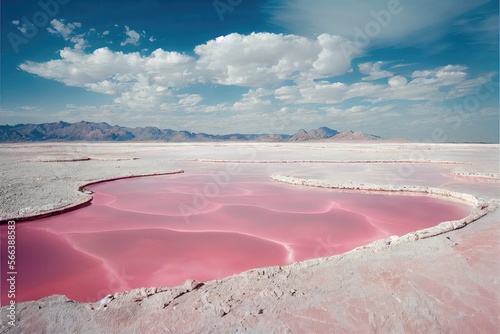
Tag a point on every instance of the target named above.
point(90, 131)
point(349, 135)
point(62, 131)
point(318, 134)
point(300, 135)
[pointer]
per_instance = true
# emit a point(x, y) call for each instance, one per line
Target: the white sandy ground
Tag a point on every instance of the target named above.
point(445, 283)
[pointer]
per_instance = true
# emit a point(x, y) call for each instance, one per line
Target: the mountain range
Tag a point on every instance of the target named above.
point(90, 131)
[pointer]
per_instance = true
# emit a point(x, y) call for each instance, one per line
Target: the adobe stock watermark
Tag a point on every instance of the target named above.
point(453, 119)
point(11, 271)
point(363, 36)
point(40, 19)
point(225, 6)
point(466, 108)
point(115, 284)
point(203, 196)
point(325, 247)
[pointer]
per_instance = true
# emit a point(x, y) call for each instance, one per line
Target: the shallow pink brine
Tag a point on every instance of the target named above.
point(161, 231)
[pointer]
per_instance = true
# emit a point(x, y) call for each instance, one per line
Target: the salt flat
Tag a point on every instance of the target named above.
point(446, 283)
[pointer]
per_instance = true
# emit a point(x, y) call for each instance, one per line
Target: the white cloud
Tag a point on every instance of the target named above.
point(133, 37)
point(105, 33)
point(190, 100)
point(403, 65)
point(15, 22)
point(58, 27)
point(262, 62)
point(397, 81)
point(28, 108)
point(220, 107)
point(324, 93)
point(130, 76)
point(25, 27)
point(76, 68)
point(104, 87)
point(134, 78)
point(333, 59)
point(152, 39)
point(142, 94)
point(424, 86)
point(287, 93)
point(261, 59)
point(80, 42)
point(373, 71)
point(66, 31)
point(253, 60)
point(253, 101)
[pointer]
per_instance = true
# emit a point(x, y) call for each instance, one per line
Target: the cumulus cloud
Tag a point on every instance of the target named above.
point(25, 27)
point(142, 94)
point(333, 59)
point(397, 81)
point(254, 101)
point(133, 37)
point(66, 31)
point(131, 76)
point(58, 27)
point(262, 59)
point(424, 86)
point(76, 68)
point(254, 60)
point(80, 42)
point(279, 71)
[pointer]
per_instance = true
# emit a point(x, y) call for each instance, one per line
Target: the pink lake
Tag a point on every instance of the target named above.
point(161, 231)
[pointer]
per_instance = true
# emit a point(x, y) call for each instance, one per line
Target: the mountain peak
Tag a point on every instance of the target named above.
point(317, 134)
point(349, 135)
point(300, 135)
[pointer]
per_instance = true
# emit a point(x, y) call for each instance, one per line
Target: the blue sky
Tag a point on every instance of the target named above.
point(423, 70)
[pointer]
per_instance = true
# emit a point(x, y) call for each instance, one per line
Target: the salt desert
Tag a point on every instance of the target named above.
point(313, 275)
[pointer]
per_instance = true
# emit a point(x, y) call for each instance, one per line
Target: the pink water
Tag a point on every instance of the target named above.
point(160, 231)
